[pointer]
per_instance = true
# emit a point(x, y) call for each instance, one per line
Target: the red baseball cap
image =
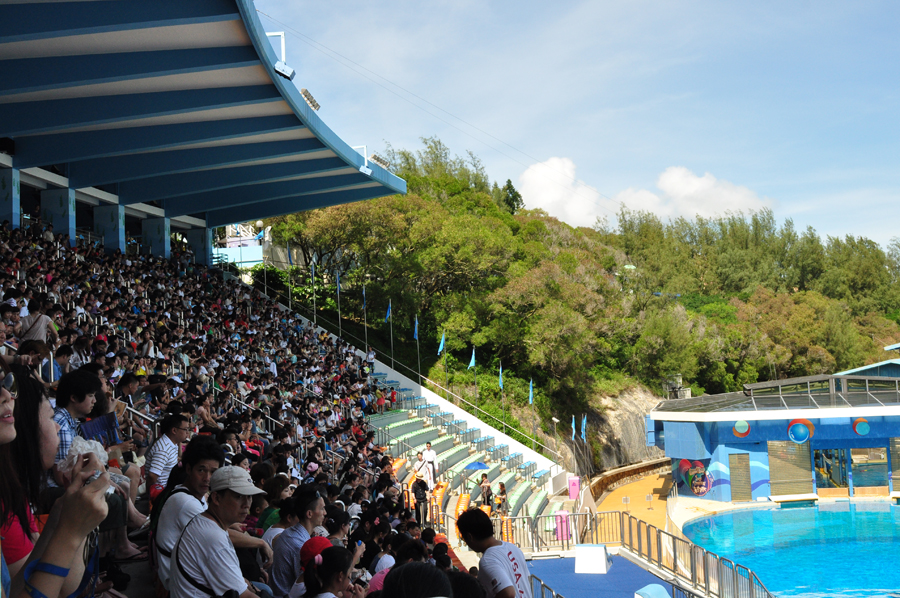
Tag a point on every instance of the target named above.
point(313, 547)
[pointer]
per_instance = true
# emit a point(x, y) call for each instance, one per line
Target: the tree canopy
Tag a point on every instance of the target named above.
point(724, 301)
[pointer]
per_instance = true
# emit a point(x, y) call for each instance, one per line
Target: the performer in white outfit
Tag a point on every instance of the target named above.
point(421, 466)
point(430, 458)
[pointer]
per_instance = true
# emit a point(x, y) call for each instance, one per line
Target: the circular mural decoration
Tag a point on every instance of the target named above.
point(861, 426)
point(695, 476)
point(800, 430)
point(741, 429)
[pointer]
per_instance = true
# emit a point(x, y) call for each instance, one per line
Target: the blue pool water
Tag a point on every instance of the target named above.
point(837, 549)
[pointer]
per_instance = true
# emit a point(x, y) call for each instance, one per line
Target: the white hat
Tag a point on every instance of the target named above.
point(236, 479)
point(177, 379)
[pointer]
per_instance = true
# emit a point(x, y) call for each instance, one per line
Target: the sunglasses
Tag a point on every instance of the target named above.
point(11, 384)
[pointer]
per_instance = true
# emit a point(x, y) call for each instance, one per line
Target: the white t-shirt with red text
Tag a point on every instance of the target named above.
point(504, 566)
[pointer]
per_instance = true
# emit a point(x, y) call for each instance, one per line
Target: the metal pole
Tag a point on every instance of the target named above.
point(392, 341)
point(419, 354)
point(503, 407)
point(340, 329)
point(315, 320)
point(533, 425)
point(365, 319)
point(475, 371)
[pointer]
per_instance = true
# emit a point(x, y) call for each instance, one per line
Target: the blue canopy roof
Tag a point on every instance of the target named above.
point(170, 104)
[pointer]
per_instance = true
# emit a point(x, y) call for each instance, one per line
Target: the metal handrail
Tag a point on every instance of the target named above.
point(151, 421)
point(543, 590)
point(687, 565)
point(477, 409)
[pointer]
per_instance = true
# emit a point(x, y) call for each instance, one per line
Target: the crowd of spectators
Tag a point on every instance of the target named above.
point(230, 439)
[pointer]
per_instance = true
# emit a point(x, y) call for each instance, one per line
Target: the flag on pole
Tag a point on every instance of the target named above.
point(531, 392)
point(573, 426)
point(441, 347)
point(338, 283)
point(416, 329)
point(472, 361)
point(290, 259)
point(584, 427)
point(313, 277)
point(501, 375)
point(364, 296)
point(388, 316)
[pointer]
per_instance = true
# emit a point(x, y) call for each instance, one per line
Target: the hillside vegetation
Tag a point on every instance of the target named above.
point(723, 301)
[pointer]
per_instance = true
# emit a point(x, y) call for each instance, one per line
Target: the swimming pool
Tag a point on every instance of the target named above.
point(835, 549)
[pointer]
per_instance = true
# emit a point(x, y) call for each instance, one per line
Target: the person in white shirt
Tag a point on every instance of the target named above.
point(502, 572)
point(204, 562)
point(164, 454)
point(202, 457)
point(430, 457)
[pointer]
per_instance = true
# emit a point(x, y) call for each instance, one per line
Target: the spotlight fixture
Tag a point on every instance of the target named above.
point(284, 70)
point(365, 170)
point(309, 99)
point(380, 161)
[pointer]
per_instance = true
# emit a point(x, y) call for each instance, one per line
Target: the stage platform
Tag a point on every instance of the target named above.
point(623, 579)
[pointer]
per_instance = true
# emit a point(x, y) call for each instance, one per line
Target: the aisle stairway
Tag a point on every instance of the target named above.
point(405, 430)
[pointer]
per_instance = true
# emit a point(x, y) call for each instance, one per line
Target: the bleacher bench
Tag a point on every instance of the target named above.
point(469, 435)
point(438, 419)
point(540, 478)
point(513, 461)
point(498, 452)
point(526, 469)
point(483, 443)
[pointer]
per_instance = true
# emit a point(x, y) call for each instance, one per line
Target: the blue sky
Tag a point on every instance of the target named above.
point(675, 107)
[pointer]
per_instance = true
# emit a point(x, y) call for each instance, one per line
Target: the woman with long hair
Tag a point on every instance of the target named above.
point(53, 565)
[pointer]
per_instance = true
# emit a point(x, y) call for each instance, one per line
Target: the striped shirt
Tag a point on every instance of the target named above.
point(161, 458)
point(69, 428)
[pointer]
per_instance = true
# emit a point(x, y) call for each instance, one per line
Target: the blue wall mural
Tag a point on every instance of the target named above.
point(700, 450)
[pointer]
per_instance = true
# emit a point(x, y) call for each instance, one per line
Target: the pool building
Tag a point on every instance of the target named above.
point(817, 436)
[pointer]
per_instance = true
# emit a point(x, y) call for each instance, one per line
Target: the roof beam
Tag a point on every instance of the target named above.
point(40, 74)
point(140, 166)
point(280, 207)
point(190, 183)
point(40, 150)
point(254, 194)
point(36, 21)
point(25, 118)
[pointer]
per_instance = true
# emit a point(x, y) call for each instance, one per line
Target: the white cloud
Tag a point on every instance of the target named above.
point(553, 187)
point(683, 193)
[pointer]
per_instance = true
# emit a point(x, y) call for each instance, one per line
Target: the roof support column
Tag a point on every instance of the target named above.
point(58, 208)
point(109, 223)
point(9, 197)
point(200, 241)
point(157, 238)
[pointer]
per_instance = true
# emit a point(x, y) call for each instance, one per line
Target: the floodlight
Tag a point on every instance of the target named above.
point(365, 170)
point(380, 161)
point(309, 99)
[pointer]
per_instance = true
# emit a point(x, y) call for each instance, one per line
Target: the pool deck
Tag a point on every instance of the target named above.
point(653, 512)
